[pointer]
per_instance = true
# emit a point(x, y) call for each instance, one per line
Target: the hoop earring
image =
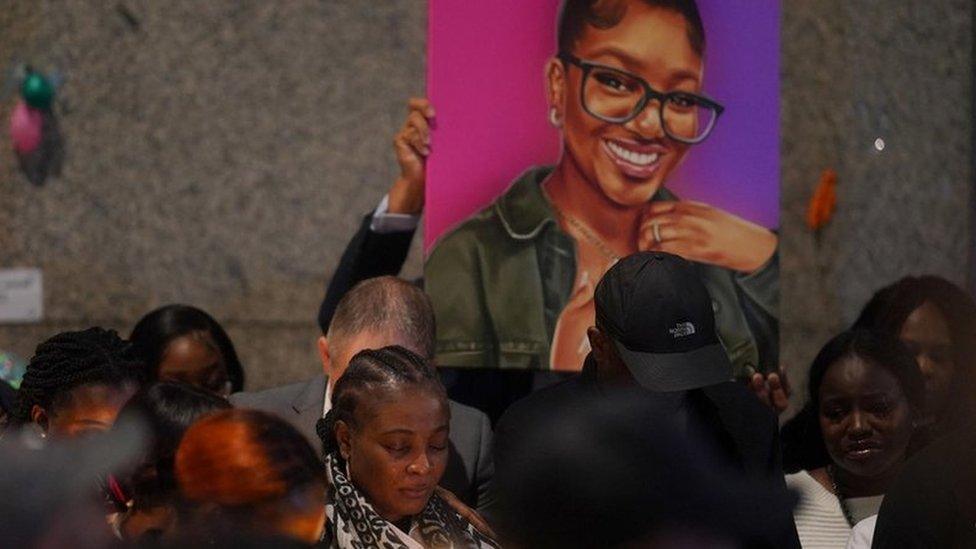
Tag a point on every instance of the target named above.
point(554, 120)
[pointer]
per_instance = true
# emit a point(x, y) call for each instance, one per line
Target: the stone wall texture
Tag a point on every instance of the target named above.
point(221, 153)
point(852, 72)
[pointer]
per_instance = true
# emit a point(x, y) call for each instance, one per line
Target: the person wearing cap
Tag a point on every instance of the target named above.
point(622, 488)
point(655, 334)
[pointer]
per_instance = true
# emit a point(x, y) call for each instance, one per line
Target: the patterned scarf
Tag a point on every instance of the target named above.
point(354, 524)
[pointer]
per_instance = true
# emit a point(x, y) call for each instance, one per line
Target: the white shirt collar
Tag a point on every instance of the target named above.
point(327, 404)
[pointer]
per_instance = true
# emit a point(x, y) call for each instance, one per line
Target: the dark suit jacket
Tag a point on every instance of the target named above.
point(741, 429)
point(469, 467)
point(932, 503)
point(368, 255)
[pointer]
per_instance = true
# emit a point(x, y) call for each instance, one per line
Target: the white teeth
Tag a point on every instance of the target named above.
point(639, 159)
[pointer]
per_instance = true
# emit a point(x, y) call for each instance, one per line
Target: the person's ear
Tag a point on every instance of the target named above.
point(343, 436)
point(325, 354)
point(556, 89)
point(40, 418)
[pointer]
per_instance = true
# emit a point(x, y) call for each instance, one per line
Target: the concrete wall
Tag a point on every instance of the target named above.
point(219, 153)
point(222, 152)
point(854, 71)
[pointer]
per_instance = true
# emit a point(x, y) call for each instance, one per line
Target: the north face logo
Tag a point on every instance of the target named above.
point(682, 329)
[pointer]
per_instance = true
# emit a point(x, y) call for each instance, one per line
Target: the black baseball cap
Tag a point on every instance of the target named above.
point(655, 308)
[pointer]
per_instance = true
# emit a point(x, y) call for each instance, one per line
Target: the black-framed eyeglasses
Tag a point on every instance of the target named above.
point(617, 96)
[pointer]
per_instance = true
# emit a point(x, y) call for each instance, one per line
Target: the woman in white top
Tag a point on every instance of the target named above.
point(866, 390)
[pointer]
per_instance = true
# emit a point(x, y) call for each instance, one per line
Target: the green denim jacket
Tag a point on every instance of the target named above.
point(499, 280)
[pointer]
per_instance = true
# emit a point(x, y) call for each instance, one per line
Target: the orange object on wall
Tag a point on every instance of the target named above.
point(823, 202)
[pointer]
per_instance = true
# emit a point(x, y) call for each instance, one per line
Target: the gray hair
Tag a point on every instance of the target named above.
point(386, 304)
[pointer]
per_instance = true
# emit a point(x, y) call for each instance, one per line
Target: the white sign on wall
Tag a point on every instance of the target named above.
point(21, 295)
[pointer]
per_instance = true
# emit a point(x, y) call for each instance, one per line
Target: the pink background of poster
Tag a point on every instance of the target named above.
point(485, 79)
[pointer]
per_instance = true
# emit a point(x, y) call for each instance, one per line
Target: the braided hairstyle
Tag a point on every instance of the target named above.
point(370, 373)
point(69, 360)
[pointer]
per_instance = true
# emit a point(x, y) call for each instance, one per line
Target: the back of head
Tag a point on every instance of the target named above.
point(238, 458)
point(167, 410)
point(249, 469)
point(72, 359)
point(386, 304)
point(658, 317)
point(611, 472)
point(372, 376)
point(154, 331)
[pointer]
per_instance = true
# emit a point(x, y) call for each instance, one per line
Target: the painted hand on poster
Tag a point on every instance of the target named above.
point(705, 234)
point(569, 348)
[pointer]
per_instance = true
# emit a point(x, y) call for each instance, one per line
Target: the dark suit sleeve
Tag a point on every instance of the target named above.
point(486, 466)
point(368, 255)
point(504, 437)
point(784, 527)
point(915, 515)
point(925, 506)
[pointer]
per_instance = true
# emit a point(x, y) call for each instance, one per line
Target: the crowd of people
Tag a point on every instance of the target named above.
point(653, 444)
point(665, 433)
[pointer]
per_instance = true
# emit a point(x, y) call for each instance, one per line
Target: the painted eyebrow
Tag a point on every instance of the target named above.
point(631, 64)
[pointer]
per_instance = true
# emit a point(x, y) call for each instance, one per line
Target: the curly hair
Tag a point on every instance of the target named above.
point(71, 359)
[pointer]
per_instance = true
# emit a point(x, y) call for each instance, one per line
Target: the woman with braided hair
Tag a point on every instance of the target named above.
point(386, 446)
point(76, 383)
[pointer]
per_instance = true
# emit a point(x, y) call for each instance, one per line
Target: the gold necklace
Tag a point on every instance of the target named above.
point(594, 240)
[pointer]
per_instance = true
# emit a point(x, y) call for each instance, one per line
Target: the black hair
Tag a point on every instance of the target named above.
point(575, 15)
point(803, 442)
point(166, 409)
point(153, 333)
point(890, 307)
point(877, 348)
point(72, 359)
point(369, 372)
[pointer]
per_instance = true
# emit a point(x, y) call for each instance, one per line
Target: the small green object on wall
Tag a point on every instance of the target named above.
point(37, 91)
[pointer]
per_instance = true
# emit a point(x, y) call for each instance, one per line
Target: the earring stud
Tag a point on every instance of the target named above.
point(554, 118)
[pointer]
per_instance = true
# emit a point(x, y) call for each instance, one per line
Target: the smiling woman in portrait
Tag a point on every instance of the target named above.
point(512, 286)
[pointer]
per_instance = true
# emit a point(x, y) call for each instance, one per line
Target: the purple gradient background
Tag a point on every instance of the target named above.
point(485, 78)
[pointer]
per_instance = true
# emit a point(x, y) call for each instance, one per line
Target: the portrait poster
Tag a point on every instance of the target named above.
point(496, 241)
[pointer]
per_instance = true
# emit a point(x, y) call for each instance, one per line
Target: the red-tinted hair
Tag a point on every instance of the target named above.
point(244, 458)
